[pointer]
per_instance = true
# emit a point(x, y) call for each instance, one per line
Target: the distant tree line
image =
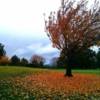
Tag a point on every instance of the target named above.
point(87, 59)
point(35, 61)
point(16, 61)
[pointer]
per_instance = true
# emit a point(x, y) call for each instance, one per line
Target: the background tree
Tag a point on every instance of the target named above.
point(62, 60)
point(54, 61)
point(15, 60)
point(2, 50)
point(84, 59)
point(4, 60)
point(74, 28)
point(98, 58)
point(24, 62)
point(37, 60)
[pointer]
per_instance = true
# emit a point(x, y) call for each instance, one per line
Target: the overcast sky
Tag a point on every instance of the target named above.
point(22, 27)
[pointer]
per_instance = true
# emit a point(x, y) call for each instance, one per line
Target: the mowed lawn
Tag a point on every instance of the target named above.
point(22, 83)
point(82, 71)
point(13, 71)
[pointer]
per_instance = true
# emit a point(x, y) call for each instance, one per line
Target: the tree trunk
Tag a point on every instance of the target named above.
point(68, 71)
point(69, 67)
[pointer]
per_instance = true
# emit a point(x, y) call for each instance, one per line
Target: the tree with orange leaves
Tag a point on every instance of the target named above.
point(37, 60)
point(73, 28)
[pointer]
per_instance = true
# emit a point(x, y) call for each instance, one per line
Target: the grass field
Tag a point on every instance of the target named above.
point(87, 71)
point(13, 71)
point(22, 83)
point(7, 71)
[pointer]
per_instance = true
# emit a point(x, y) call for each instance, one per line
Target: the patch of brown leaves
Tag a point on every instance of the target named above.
point(55, 83)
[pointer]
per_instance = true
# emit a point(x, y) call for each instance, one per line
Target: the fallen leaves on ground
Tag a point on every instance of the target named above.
point(54, 86)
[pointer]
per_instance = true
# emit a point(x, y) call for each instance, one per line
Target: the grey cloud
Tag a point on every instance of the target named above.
point(26, 47)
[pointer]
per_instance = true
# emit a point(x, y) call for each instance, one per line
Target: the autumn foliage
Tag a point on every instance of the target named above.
point(37, 60)
point(75, 27)
point(4, 60)
point(53, 85)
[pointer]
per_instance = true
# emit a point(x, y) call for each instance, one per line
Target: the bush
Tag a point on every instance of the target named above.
point(4, 60)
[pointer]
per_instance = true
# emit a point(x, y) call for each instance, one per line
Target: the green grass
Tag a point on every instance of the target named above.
point(91, 71)
point(12, 71)
point(82, 71)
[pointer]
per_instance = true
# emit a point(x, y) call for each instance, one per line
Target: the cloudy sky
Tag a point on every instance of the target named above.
point(22, 27)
